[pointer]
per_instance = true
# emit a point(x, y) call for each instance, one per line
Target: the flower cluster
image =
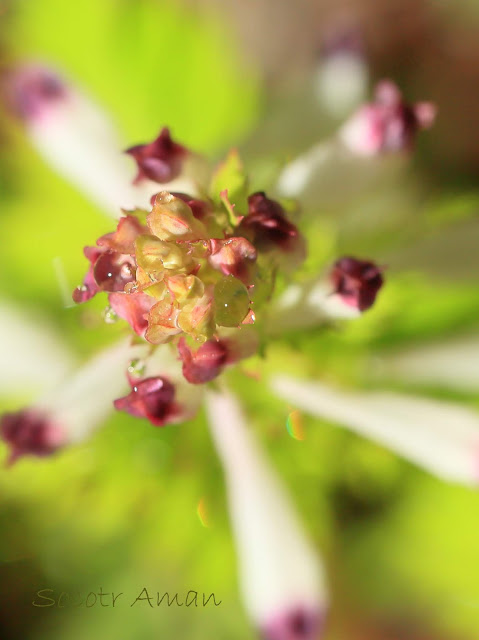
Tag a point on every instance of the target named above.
point(200, 272)
point(195, 272)
point(192, 272)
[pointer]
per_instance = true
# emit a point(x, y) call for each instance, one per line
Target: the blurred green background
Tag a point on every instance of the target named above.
point(120, 511)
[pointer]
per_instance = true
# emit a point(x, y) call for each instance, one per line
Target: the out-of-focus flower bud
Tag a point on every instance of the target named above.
point(268, 229)
point(280, 572)
point(160, 160)
point(29, 432)
point(70, 412)
point(387, 125)
point(356, 282)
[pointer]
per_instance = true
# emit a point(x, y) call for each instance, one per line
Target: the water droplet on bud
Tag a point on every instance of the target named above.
point(136, 368)
point(109, 316)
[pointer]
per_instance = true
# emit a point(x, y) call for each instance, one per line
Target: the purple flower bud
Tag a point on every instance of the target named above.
point(160, 160)
point(30, 92)
point(30, 432)
point(297, 624)
point(267, 227)
point(387, 124)
point(356, 282)
point(153, 399)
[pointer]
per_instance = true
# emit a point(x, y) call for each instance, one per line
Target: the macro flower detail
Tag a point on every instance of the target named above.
point(30, 432)
point(388, 124)
point(356, 282)
point(195, 269)
point(153, 399)
point(160, 160)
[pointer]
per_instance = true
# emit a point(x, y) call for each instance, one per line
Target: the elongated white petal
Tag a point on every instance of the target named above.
point(85, 399)
point(441, 437)
point(340, 82)
point(453, 364)
point(309, 305)
point(300, 172)
point(281, 575)
point(78, 141)
point(33, 356)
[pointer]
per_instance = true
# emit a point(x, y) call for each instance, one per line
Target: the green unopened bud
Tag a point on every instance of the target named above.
point(172, 219)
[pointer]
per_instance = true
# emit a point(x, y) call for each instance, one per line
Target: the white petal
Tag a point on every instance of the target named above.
point(341, 83)
point(299, 173)
point(33, 355)
point(279, 568)
point(78, 141)
point(453, 364)
point(441, 437)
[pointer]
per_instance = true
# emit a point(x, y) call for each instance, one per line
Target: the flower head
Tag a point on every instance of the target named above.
point(193, 270)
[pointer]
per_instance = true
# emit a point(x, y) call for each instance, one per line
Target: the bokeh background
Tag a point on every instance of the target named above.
point(121, 510)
